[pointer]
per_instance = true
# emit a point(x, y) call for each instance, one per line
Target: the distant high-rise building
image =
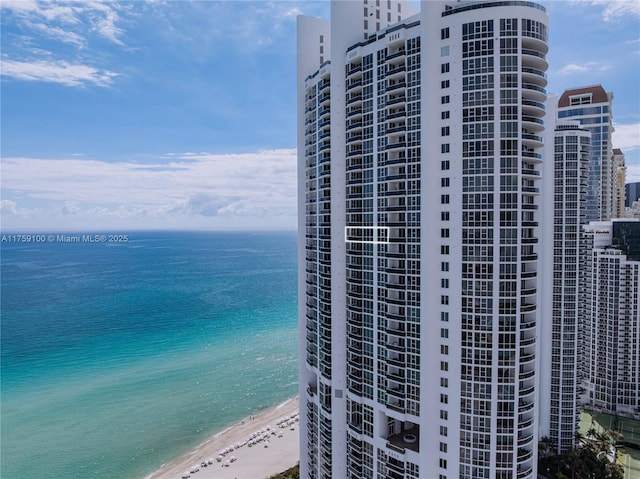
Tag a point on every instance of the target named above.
point(610, 330)
point(565, 185)
point(420, 157)
point(632, 193)
point(591, 106)
point(619, 196)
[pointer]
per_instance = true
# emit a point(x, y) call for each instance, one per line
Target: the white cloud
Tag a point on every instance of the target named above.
point(32, 57)
point(104, 18)
point(619, 9)
point(180, 189)
point(207, 26)
point(614, 10)
point(59, 34)
point(573, 68)
point(56, 19)
point(632, 174)
point(291, 13)
point(8, 207)
point(57, 72)
point(626, 137)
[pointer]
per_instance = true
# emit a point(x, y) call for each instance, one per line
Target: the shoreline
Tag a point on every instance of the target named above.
point(256, 448)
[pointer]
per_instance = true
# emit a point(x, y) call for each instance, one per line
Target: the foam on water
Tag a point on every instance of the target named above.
point(117, 359)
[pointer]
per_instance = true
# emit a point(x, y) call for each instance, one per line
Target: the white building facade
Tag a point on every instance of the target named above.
point(565, 184)
point(419, 269)
point(611, 311)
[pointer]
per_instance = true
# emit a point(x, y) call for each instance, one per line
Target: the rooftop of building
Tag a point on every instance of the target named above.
point(598, 95)
point(465, 5)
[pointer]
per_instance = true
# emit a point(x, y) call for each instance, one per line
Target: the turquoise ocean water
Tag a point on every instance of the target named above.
point(117, 358)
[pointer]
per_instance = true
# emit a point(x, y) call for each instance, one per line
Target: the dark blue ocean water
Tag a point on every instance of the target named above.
point(119, 357)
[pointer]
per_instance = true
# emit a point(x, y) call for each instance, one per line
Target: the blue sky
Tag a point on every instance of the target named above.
point(179, 114)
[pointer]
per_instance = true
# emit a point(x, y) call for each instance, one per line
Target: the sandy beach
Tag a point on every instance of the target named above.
point(270, 446)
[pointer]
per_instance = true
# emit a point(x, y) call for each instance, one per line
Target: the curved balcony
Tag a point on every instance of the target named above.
point(532, 141)
point(396, 316)
point(396, 86)
point(354, 86)
point(399, 301)
point(534, 59)
point(524, 455)
point(354, 138)
point(532, 42)
point(324, 86)
point(395, 160)
point(396, 99)
point(396, 376)
point(354, 332)
point(324, 122)
point(533, 108)
point(354, 125)
point(396, 251)
point(397, 346)
point(395, 404)
point(527, 324)
point(523, 376)
point(396, 71)
point(324, 111)
point(355, 113)
point(396, 145)
point(531, 155)
point(534, 76)
point(355, 347)
point(525, 424)
point(354, 100)
point(524, 473)
point(397, 129)
point(533, 92)
point(355, 374)
point(527, 308)
point(396, 334)
point(526, 358)
point(397, 392)
point(394, 286)
point(324, 169)
point(324, 133)
point(397, 223)
point(528, 342)
point(397, 361)
point(532, 123)
point(324, 98)
point(395, 113)
point(354, 387)
point(525, 440)
point(395, 269)
point(396, 57)
point(354, 72)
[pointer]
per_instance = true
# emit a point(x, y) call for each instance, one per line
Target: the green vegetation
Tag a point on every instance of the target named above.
point(588, 461)
point(293, 473)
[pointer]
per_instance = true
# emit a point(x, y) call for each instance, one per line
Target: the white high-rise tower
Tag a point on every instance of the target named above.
point(565, 178)
point(420, 152)
point(610, 276)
